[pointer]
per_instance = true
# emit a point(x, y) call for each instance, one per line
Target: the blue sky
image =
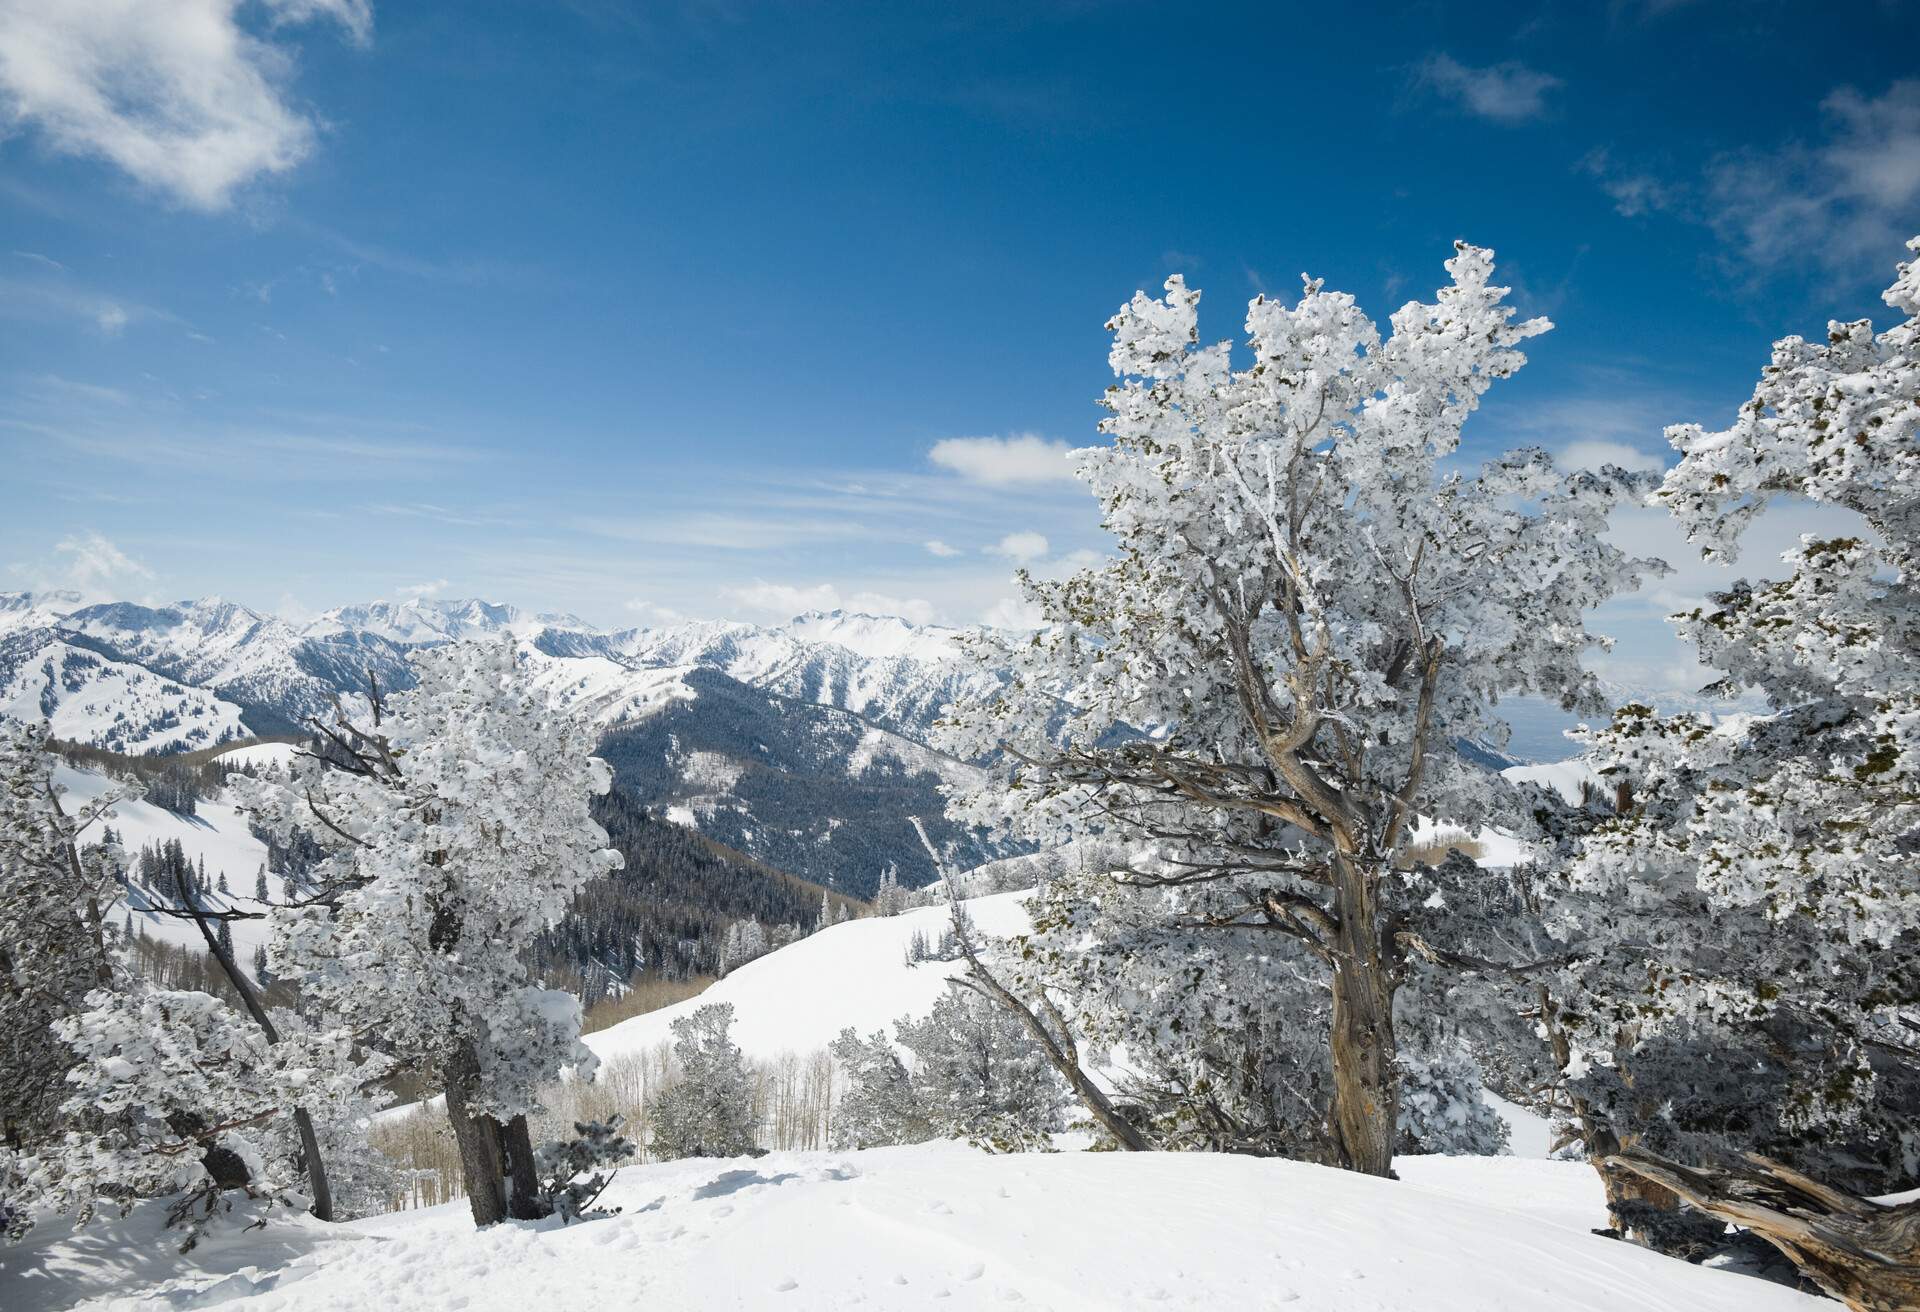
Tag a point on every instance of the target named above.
point(733, 309)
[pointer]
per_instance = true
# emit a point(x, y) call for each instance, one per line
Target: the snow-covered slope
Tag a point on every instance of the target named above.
point(941, 1226)
point(798, 998)
point(92, 698)
point(215, 834)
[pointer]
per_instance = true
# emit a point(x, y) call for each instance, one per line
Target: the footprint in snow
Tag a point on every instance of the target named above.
point(725, 1209)
point(939, 1208)
point(785, 1286)
point(973, 1270)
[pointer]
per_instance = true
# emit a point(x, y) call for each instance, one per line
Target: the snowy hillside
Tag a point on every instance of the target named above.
point(215, 834)
point(91, 698)
point(799, 998)
point(938, 1225)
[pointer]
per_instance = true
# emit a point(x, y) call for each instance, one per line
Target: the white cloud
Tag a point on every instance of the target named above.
point(936, 547)
point(1023, 547)
point(647, 610)
point(421, 591)
point(177, 95)
point(1004, 461)
point(1850, 197)
point(1505, 93)
point(1012, 613)
point(784, 601)
point(1592, 454)
point(1633, 193)
point(93, 566)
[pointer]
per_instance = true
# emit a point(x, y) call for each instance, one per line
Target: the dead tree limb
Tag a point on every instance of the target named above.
point(1865, 1254)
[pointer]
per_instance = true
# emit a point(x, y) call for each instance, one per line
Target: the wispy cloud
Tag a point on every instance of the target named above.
point(935, 547)
point(55, 299)
point(185, 102)
point(1846, 200)
point(1503, 93)
point(1004, 461)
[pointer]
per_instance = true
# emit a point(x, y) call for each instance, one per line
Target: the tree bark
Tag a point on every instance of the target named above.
point(478, 1139)
point(1865, 1254)
point(1365, 1083)
point(524, 1202)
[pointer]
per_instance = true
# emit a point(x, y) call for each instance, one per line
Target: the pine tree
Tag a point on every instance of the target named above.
point(708, 1112)
point(53, 949)
point(879, 1107)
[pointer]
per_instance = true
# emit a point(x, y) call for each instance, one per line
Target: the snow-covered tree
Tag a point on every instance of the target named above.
point(54, 950)
point(890, 899)
point(596, 1150)
point(1793, 834)
point(1310, 606)
point(708, 1110)
point(745, 940)
point(182, 1094)
point(878, 1106)
point(978, 1075)
point(455, 827)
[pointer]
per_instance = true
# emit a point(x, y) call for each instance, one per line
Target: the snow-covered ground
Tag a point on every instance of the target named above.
point(939, 1226)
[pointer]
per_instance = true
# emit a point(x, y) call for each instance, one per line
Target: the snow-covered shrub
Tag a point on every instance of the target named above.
point(708, 1110)
point(597, 1147)
point(188, 1096)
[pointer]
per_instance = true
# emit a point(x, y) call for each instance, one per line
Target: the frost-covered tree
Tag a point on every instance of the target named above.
point(455, 828)
point(978, 1075)
point(1794, 834)
point(878, 1106)
point(181, 1094)
point(54, 950)
point(1310, 604)
point(890, 899)
point(745, 940)
point(596, 1150)
point(708, 1110)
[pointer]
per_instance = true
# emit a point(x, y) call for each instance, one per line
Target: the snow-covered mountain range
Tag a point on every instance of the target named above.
point(803, 745)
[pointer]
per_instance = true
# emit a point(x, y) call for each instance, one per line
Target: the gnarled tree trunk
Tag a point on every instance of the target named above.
point(523, 1202)
point(1365, 1083)
point(482, 1165)
point(1864, 1254)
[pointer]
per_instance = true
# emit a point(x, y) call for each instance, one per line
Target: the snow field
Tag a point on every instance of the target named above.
point(944, 1226)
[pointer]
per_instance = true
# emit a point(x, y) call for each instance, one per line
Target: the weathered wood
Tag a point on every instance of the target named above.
point(478, 1139)
point(1865, 1254)
point(1365, 1116)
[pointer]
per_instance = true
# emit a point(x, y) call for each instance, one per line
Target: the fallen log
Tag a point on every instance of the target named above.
point(1865, 1254)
